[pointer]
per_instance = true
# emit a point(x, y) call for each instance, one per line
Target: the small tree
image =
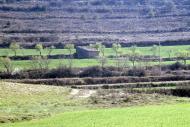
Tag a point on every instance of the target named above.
point(102, 57)
point(154, 50)
point(50, 49)
point(14, 47)
point(101, 48)
point(117, 50)
point(39, 48)
point(102, 60)
point(134, 55)
point(70, 48)
point(7, 64)
point(40, 62)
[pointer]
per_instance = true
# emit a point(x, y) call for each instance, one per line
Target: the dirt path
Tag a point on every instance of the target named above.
point(82, 93)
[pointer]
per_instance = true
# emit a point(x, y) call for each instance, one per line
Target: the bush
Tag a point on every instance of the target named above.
point(176, 66)
point(181, 92)
point(60, 72)
point(100, 72)
point(34, 74)
point(92, 72)
point(137, 72)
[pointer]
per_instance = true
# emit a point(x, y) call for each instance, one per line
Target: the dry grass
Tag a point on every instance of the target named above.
point(24, 102)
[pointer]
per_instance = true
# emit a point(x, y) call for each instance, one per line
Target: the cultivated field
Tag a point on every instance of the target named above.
point(54, 63)
point(108, 51)
point(166, 52)
point(84, 22)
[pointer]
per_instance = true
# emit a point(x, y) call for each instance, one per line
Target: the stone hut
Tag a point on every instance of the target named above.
point(84, 52)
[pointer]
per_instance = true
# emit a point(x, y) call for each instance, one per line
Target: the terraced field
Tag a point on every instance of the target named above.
point(82, 22)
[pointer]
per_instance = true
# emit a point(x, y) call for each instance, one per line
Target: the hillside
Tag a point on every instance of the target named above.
point(89, 21)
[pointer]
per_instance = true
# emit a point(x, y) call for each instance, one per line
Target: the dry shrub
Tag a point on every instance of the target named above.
point(99, 72)
point(60, 72)
point(137, 72)
point(181, 92)
point(176, 66)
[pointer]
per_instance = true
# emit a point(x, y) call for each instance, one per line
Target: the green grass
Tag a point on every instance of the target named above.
point(148, 116)
point(31, 52)
point(108, 51)
point(27, 64)
point(147, 50)
point(53, 63)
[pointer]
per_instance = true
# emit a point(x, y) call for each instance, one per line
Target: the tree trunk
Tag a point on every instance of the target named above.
point(15, 53)
point(40, 53)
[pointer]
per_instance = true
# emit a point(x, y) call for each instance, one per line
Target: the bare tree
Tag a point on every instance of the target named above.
point(40, 62)
point(14, 47)
point(70, 48)
point(117, 50)
point(134, 55)
point(102, 59)
point(39, 48)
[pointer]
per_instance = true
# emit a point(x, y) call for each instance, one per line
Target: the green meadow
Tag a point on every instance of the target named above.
point(108, 51)
point(145, 116)
point(79, 63)
point(53, 63)
point(30, 52)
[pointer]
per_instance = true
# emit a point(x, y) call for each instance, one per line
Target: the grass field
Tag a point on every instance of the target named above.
point(27, 64)
point(53, 63)
point(148, 116)
point(108, 51)
point(30, 52)
point(54, 106)
point(147, 50)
